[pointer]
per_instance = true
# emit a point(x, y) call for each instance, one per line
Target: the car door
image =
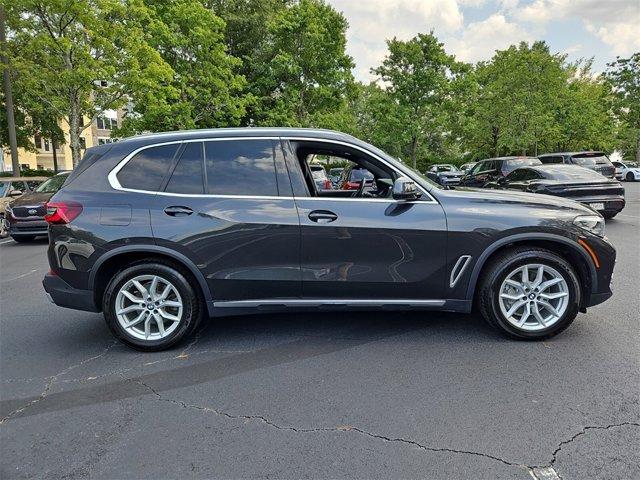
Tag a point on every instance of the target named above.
point(369, 248)
point(228, 207)
point(482, 174)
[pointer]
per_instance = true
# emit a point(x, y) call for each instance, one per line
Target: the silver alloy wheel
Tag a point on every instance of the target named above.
point(149, 307)
point(534, 297)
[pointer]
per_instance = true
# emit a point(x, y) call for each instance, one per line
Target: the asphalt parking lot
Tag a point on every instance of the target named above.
point(338, 395)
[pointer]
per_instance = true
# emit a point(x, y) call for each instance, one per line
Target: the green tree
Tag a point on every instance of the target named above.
point(203, 88)
point(419, 78)
point(623, 76)
point(82, 57)
point(520, 91)
point(304, 74)
point(584, 118)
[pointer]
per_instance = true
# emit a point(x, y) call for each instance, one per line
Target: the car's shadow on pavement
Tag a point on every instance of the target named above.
point(268, 340)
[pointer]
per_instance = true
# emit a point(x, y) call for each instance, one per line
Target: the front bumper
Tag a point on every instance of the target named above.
point(64, 295)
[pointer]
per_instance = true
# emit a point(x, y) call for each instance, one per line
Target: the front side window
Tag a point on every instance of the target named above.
point(241, 167)
point(147, 169)
point(187, 177)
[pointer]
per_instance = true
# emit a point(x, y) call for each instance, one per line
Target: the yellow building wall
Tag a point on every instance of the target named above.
point(45, 159)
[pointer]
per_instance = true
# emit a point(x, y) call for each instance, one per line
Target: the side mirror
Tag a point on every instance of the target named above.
point(405, 189)
point(15, 193)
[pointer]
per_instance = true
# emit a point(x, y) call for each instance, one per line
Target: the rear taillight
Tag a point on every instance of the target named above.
point(62, 212)
point(327, 185)
point(352, 185)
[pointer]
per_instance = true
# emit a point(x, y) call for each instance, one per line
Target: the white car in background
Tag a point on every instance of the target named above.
point(628, 171)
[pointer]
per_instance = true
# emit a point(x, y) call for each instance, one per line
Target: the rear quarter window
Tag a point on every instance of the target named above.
point(147, 169)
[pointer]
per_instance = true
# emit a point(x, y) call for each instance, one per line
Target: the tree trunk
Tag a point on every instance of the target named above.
point(74, 130)
point(54, 145)
point(638, 150)
point(494, 140)
point(8, 100)
point(414, 148)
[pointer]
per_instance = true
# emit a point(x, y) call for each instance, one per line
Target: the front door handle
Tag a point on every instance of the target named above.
point(322, 216)
point(177, 211)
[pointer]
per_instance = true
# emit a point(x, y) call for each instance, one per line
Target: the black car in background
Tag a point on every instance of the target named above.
point(25, 215)
point(569, 181)
point(162, 231)
point(593, 160)
point(491, 169)
point(445, 174)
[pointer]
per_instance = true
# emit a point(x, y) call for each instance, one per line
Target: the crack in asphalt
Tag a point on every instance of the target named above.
point(340, 428)
point(554, 455)
point(53, 379)
point(534, 470)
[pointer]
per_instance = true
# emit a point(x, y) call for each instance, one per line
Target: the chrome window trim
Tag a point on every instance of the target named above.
point(115, 184)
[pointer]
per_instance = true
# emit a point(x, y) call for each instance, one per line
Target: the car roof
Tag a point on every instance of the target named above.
point(570, 154)
point(503, 159)
point(238, 132)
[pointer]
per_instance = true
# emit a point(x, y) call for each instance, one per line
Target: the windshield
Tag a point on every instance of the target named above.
point(590, 159)
point(511, 165)
point(573, 173)
point(52, 185)
point(4, 186)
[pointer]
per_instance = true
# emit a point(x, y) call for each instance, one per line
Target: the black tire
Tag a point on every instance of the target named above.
point(500, 267)
point(609, 215)
point(192, 305)
point(630, 177)
point(24, 238)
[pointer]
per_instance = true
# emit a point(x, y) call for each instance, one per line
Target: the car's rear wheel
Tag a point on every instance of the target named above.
point(630, 177)
point(529, 293)
point(24, 238)
point(151, 306)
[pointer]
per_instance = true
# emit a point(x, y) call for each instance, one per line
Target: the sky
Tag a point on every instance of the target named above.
point(473, 29)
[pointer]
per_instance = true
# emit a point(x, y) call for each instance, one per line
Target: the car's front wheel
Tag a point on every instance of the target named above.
point(630, 177)
point(529, 293)
point(151, 306)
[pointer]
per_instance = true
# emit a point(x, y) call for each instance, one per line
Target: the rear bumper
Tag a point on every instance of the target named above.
point(64, 295)
point(34, 227)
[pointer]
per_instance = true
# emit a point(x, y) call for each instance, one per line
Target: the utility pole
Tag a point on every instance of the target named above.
point(8, 98)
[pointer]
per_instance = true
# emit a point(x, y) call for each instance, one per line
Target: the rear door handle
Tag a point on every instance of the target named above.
point(322, 216)
point(177, 211)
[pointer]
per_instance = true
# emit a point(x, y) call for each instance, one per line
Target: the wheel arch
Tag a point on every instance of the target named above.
point(570, 249)
point(110, 262)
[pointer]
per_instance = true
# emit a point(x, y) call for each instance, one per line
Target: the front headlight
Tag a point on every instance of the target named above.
point(591, 223)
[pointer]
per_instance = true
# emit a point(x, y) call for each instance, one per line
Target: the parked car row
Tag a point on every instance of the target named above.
point(587, 177)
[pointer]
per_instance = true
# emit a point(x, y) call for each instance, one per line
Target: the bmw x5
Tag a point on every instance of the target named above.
point(161, 231)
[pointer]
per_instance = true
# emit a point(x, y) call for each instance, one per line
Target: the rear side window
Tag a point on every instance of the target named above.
point(187, 177)
point(241, 167)
point(147, 169)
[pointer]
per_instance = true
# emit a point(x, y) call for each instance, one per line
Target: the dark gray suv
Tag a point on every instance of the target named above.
point(162, 231)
